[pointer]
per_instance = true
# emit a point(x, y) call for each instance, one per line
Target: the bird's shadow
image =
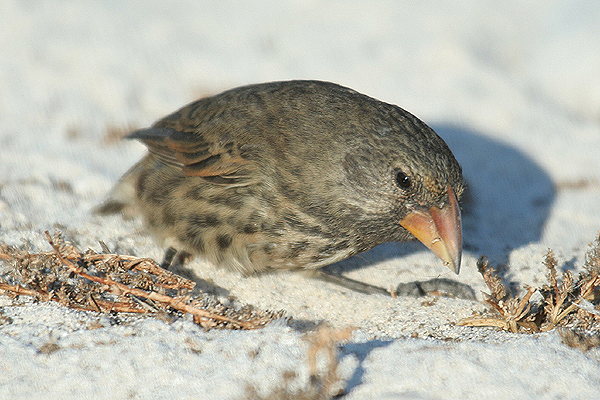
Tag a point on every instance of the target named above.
point(507, 202)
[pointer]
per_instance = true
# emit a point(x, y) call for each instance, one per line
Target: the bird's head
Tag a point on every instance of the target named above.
point(409, 183)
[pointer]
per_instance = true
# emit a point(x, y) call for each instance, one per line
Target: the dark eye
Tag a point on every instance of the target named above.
point(402, 180)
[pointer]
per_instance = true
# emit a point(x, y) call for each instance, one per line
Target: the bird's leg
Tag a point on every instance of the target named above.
point(348, 283)
point(167, 261)
point(174, 258)
point(436, 286)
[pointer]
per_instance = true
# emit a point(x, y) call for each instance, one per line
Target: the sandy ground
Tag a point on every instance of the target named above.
point(512, 87)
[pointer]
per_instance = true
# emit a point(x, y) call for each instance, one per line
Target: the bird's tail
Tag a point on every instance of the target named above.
point(121, 198)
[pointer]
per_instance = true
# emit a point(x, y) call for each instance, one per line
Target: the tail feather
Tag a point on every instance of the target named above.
point(121, 198)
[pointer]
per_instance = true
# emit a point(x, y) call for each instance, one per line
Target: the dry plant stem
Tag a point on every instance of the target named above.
point(586, 294)
point(199, 315)
point(514, 312)
point(557, 294)
point(100, 305)
point(325, 338)
point(490, 322)
point(146, 265)
point(560, 293)
point(563, 299)
point(511, 318)
point(18, 290)
point(517, 316)
point(120, 283)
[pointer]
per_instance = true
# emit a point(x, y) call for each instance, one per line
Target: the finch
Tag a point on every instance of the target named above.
point(293, 175)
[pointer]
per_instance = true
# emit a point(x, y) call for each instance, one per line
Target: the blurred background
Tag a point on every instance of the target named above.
point(467, 61)
point(513, 86)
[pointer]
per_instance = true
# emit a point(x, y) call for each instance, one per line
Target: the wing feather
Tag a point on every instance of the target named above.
point(216, 162)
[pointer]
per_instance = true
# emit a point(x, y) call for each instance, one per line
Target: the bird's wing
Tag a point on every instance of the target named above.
point(216, 161)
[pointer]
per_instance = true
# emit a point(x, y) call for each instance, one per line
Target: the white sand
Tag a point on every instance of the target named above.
point(514, 89)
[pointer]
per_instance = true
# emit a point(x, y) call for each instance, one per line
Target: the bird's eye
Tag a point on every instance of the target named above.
point(402, 180)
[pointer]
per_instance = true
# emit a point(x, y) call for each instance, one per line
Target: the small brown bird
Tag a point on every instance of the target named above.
point(296, 174)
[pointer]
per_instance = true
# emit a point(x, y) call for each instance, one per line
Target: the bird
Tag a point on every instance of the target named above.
point(292, 175)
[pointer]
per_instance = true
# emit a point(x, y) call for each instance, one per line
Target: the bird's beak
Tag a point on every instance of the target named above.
point(439, 229)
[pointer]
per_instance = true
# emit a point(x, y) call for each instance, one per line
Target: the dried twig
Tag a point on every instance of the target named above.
point(325, 338)
point(199, 315)
point(110, 282)
point(565, 301)
point(514, 312)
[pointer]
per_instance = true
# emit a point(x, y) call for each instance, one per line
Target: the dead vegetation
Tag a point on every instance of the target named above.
point(325, 339)
point(107, 282)
point(577, 184)
point(323, 383)
point(579, 340)
point(566, 302)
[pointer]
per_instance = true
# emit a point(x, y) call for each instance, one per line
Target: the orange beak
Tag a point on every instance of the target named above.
point(439, 229)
